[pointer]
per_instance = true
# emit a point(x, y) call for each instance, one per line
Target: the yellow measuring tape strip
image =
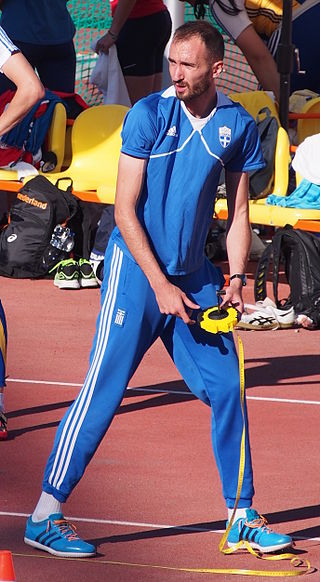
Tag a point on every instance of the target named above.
point(295, 562)
point(159, 567)
point(3, 346)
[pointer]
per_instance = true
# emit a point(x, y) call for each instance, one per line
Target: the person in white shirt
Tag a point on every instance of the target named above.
point(29, 90)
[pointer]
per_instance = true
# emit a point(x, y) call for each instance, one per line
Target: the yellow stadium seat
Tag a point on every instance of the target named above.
point(253, 102)
point(307, 127)
point(95, 143)
point(259, 211)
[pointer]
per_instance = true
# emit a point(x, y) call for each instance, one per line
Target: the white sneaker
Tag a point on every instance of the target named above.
point(265, 303)
point(265, 315)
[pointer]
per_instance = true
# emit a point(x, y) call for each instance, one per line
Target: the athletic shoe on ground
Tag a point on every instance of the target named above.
point(266, 315)
point(255, 530)
point(58, 537)
point(86, 275)
point(67, 275)
point(3, 427)
point(260, 304)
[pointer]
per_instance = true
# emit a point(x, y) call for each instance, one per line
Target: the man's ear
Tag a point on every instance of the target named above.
point(217, 69)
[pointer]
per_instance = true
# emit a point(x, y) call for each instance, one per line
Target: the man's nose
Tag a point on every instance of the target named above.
point(176, 73)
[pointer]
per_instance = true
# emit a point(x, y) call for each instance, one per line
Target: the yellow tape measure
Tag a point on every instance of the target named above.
point(218, 320)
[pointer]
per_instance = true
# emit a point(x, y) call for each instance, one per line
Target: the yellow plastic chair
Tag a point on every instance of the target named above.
point(96, 143)
point(259, 211)
point(253, 102)
point(307, 127)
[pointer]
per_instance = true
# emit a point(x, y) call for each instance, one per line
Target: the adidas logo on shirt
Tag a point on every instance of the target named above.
point(172, 132)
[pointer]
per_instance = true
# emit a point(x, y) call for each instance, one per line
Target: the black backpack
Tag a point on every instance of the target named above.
point(37, 209)
point(260, 181)
point(299, 251)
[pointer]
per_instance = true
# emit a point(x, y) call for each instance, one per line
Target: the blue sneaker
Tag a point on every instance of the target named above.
point(58, 537)
point(254, 530)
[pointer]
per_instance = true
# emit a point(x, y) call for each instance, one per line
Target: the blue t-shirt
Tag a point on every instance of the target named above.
point(37, 21)
point(184, 165)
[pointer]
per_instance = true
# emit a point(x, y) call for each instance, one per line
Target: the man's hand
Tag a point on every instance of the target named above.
point(233, 296)
point(173, 301)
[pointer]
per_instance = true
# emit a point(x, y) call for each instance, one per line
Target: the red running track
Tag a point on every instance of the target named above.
point(151, 497)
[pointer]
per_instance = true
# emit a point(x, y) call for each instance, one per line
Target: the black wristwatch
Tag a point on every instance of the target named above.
point(240, 276)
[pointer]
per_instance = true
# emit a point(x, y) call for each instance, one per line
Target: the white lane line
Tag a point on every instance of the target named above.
point(48, 382)
point(159, 391)
point(140, 524)
point(122, 523)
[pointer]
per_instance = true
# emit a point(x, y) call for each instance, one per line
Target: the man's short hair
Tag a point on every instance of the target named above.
point(210, 36)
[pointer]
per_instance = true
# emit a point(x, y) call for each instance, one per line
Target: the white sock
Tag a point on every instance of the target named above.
point(240, 512)
point(1, 402)
point(47, 505)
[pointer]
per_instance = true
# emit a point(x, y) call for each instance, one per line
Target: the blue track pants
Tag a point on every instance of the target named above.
point(128, 324)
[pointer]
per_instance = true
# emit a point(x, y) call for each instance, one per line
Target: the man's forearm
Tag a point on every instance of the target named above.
point(238, 245)
point(238, 227)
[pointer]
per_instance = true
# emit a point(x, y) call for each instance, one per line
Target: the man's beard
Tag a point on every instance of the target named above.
point(195, 91)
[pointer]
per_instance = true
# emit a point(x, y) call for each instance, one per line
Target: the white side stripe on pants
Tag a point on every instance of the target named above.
point(77, 414)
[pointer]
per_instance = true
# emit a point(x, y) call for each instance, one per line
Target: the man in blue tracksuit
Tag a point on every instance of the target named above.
point(175, 145)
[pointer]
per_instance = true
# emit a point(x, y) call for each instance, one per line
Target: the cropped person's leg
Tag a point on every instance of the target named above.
point(165, 26)
point(139, 86)
point(140, 48)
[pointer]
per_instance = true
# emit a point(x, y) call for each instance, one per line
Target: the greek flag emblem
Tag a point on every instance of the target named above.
point(224, 136)
point(120, 317)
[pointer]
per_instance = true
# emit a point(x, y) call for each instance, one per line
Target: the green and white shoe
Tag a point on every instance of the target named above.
point(67, 275)
point(86, 274)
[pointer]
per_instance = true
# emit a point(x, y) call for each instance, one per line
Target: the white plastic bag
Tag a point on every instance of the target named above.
point(107, 76)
